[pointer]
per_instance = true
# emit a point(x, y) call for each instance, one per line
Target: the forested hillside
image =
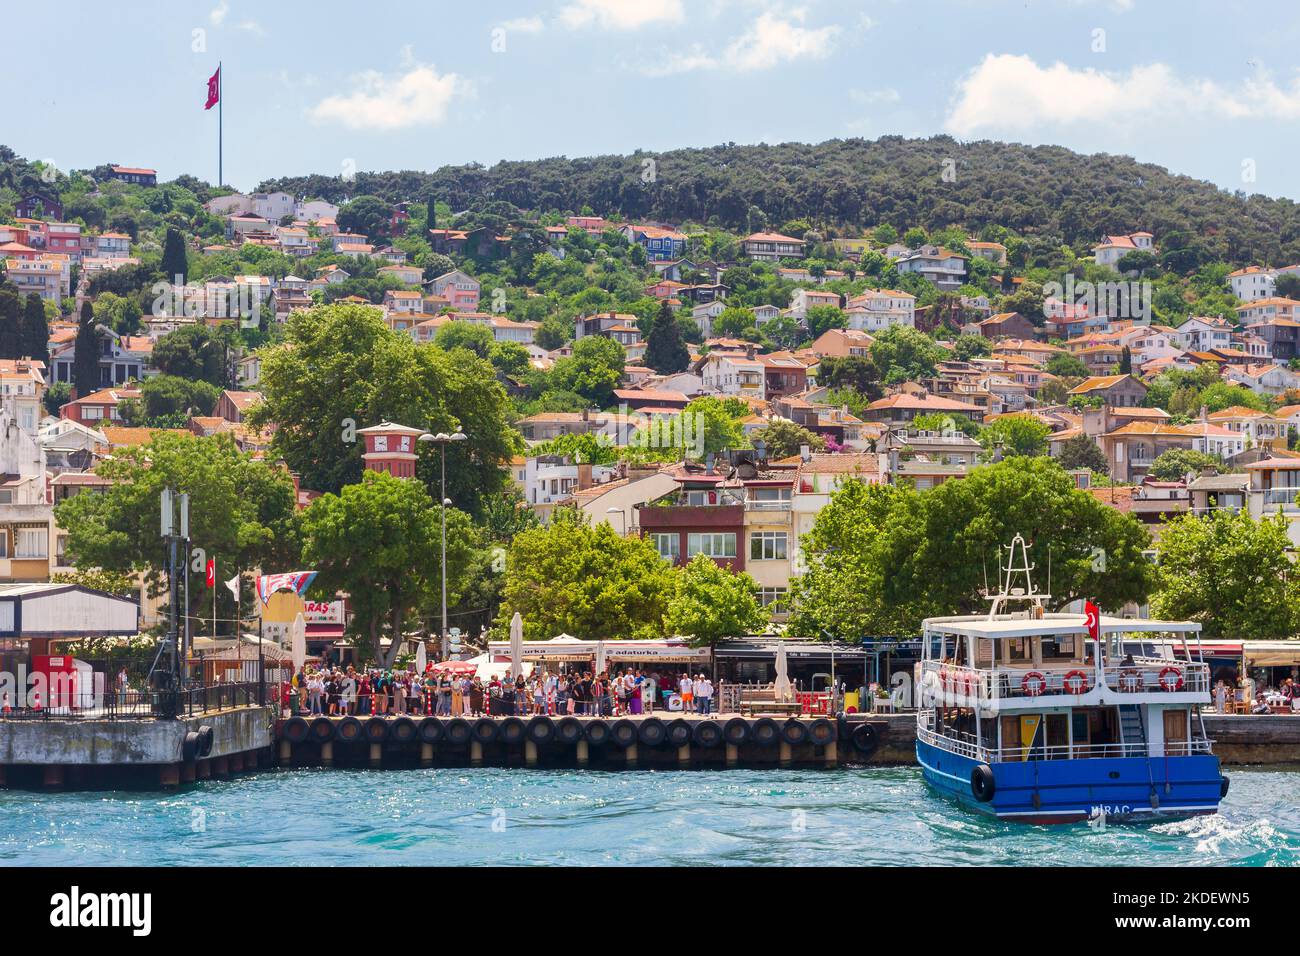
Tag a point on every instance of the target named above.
point(844, 185)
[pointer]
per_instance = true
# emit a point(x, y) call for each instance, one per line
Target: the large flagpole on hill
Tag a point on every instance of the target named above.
point(215, 98)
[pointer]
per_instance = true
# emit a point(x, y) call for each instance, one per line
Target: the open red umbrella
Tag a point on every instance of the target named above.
point(455, 668)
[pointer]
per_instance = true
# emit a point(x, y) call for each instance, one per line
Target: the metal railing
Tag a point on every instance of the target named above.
point(126, 690)
point(967, 745)
point(954, 683)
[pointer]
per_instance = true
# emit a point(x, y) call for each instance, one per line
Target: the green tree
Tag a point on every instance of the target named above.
point(881, 559)
point(379, 540)
point(968, 347)
point(587, 449)
point(241, 511)
point(1230, 573)
point(784, 438)
point(122, 314)
point(11, 319)
point(36, 331)
point(822, 318)
point(85, 362)
point(474, 336)
point(858, 372)
point(665, 350)
point(1021, 434)
point(712, 603)
point(340, 368)
point(1178, 462)
point(175, 265)
point(593, 370)
point(593, 583)
point(164, 396)
point(903, 354)
point(1082, 452)
point(195, 352)
point(366, 215)
point(1065, 365)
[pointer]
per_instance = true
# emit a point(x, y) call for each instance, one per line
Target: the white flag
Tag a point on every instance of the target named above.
point(233, 584)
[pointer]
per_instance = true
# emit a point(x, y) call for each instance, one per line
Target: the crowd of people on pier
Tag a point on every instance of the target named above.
point(344, 691)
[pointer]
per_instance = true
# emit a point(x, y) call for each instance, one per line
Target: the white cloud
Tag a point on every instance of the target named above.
point(420, 96)
point(218, 14)
point(620, 14)
point(252, 26)
point(771, 40)
point(525, 25)
point(872, 97)
point(1015, 93)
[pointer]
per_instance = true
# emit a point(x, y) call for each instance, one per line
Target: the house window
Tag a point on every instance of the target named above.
point(772, 598)
point(767, 546)
point(714, 545)
point(30, 543)
point(668, 545)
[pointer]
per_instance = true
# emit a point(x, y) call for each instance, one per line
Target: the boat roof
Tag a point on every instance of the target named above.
point(1008, 627)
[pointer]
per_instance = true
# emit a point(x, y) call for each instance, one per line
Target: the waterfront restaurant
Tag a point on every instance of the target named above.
point(615, 655)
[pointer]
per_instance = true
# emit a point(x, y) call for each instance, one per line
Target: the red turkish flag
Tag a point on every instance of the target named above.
point(214, 90)
point(210, 578)
point(1092, 614)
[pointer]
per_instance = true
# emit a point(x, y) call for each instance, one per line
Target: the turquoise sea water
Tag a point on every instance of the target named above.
point(514, 816)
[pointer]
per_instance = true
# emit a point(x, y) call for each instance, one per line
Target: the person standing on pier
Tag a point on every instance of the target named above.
point(686, 690)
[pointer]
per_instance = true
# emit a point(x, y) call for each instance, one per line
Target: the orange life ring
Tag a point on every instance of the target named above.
point(1130, 681)
point(1033, 683)
point(1075, 678)
point(1171, 685)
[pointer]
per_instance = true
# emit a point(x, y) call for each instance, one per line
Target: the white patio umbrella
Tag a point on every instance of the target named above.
point(298, 641)
point(421, 657)
point(783, 689)
point(516, 645)
point(600, 656)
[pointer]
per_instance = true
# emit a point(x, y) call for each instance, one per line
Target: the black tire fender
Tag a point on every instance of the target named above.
point(982, 783)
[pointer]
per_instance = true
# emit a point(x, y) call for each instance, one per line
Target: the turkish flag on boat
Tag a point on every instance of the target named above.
point(214, 90)
point(1092, 615)
point(211, 578)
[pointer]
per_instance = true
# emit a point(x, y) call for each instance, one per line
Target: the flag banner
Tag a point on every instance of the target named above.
point(296, 581)
point(233, 584)
point(211, 578)
point(1093, 616)
point(214, 90)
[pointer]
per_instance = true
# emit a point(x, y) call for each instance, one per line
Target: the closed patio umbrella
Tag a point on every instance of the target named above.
point(783, 689)
point(421, 658)
point(516, 645)
point(298, 642)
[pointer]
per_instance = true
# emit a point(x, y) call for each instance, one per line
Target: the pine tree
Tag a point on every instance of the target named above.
point(174, 262)
point(1126, 361)
point(11, 308)
point(431, 213)
point(85, 363)
point(665, 350)
point(35, 331)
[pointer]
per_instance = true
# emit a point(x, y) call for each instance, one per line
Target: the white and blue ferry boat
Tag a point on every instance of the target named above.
point(1051, 718)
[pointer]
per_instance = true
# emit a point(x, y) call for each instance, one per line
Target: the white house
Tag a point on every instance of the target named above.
point(945, 269)
point(878, 309)
point(1111, 249)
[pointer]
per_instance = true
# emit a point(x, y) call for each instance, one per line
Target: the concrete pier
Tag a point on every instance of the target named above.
point(104, 754)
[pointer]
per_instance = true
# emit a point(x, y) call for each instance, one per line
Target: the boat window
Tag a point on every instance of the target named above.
point(984, 652)
point(1060, 647)
point(1019, 648)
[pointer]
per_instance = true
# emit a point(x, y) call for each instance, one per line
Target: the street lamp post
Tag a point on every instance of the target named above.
point(442, 440)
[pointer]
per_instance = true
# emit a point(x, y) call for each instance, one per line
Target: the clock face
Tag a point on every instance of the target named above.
point(381, 443)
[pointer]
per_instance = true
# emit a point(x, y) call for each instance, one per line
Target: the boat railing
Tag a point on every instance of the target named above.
point(957, 685)
point(967, 745)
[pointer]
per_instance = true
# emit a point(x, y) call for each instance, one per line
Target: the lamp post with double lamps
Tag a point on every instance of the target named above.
point(442, 440)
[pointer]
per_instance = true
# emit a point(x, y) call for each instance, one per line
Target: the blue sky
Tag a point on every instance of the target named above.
point(314, 87)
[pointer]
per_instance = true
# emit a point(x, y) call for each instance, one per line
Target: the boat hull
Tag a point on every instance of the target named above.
point(1066, 791)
